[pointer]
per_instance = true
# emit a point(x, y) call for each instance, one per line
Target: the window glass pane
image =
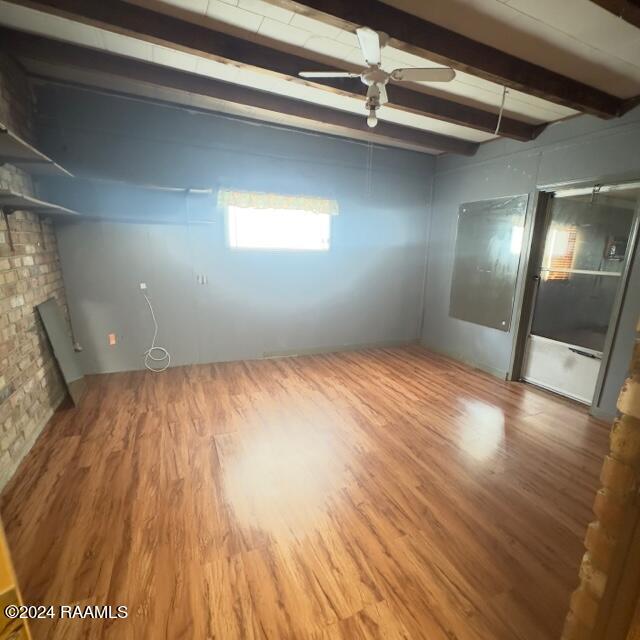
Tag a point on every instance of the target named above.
point(575, 308)
point(586, 235)
point(584, 254)
point(278, 229)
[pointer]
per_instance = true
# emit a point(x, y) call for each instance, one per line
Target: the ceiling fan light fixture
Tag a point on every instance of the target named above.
point(372, 120)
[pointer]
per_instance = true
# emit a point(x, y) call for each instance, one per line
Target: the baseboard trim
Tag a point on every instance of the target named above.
point(267, 355)
point(497, 373)
point(292, 353)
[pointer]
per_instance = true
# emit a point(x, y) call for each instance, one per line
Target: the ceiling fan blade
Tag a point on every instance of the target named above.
point(424, 75)
point(328, 74)
point(370, 45)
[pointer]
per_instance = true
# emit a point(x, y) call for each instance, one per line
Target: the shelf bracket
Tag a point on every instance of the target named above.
point(6, 212)
point(44, 242)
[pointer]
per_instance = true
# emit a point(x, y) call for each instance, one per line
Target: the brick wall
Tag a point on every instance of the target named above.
point(615, 502)
point(31, 386)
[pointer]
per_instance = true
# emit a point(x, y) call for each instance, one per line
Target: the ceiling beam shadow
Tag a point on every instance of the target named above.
point(158, 28)
point(29, 47)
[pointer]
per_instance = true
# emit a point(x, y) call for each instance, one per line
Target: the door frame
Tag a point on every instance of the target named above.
point(528, 285)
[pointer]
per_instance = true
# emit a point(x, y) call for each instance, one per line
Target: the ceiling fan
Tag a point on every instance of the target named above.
point(372, 42)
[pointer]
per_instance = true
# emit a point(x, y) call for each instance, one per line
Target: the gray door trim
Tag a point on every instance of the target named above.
point(616, 311)
point(527, 284)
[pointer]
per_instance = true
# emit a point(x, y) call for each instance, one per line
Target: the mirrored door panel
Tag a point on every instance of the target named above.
point(486, 260)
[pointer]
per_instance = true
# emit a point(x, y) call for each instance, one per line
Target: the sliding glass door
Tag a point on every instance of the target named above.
point(586, 249)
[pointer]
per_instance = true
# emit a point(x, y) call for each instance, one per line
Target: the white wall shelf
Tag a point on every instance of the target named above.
point(12, 201)
point(14, 150)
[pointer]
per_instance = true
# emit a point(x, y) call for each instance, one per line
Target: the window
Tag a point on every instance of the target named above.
point(560, 251)
point(292, 229)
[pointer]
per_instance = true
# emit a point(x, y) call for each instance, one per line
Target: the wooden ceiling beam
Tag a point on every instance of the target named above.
point(29, 47)
point(628, 10)
point(145, 24)
point(421, 37)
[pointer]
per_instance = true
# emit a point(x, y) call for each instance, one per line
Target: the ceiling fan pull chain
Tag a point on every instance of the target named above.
point(504, 95)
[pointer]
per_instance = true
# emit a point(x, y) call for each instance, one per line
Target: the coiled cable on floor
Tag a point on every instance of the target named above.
point(155, 354)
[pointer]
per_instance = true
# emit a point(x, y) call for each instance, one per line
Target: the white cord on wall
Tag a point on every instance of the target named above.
point(153, 353)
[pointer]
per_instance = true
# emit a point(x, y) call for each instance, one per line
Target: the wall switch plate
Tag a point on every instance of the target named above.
point(112, 339)
point(143, 286)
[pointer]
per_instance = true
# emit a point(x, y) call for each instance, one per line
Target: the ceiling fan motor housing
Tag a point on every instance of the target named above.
point(374, 75)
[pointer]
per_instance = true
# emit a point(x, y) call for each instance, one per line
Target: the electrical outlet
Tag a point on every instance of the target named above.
point(143, 286)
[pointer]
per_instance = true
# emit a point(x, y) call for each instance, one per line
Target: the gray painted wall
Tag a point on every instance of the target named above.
point(582, 149)
point(366, 290)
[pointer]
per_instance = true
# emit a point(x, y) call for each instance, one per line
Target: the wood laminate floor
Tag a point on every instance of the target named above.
point(372, 494)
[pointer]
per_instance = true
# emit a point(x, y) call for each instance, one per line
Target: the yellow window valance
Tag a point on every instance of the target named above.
point(259, 200)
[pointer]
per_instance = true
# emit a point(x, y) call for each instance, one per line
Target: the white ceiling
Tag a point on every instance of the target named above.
point(574, 37)
point(577, 38)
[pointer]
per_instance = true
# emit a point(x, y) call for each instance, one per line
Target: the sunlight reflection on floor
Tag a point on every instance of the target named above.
point(280, 481)
point(482, 430)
